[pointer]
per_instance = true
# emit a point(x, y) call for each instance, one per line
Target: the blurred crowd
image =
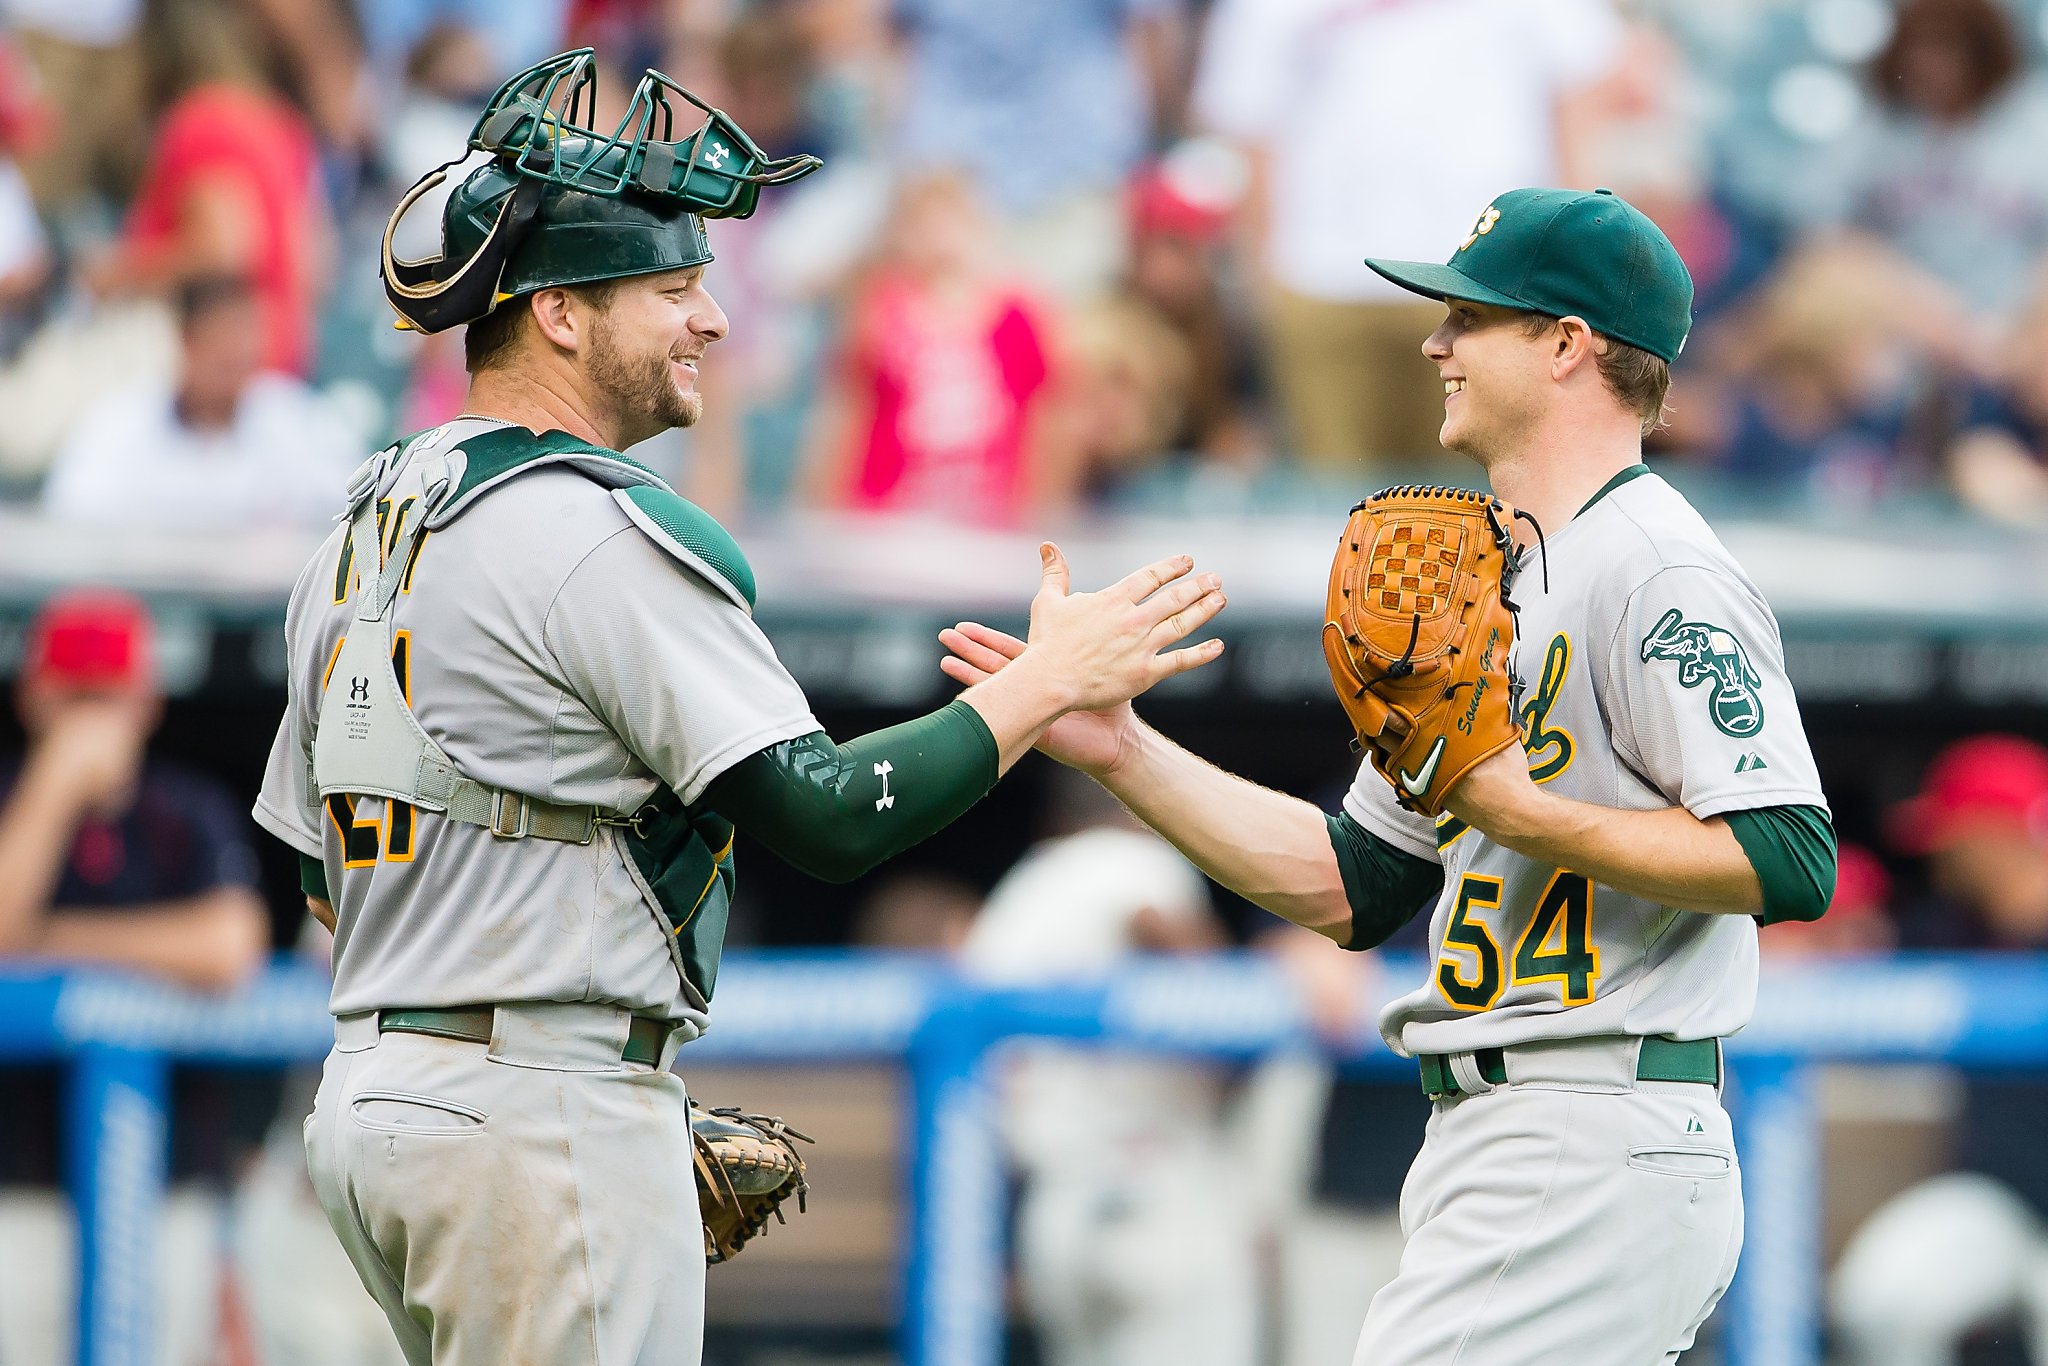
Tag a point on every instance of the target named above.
point(1077, 256)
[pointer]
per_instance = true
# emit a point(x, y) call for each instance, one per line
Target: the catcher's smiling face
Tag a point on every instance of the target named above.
point(645, 343)
point(1495, 377)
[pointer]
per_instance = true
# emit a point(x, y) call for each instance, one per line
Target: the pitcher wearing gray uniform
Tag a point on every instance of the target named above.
point(528, 707)
point(1596, 888)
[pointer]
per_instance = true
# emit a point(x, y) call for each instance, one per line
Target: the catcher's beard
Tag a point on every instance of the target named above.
point(640, 388)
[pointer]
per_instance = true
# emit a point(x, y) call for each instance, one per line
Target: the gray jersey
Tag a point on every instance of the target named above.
point(553, 650)
point(1653, 677)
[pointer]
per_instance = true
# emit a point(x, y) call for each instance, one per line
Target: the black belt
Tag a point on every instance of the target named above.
point(1660, 1059)
point(472, 1024)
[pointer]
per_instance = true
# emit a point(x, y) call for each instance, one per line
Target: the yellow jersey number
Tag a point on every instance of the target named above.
point(1557, 945)
point(390, 832)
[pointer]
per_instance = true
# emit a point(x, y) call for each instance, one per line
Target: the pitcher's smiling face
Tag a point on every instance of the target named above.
point(1494, 375)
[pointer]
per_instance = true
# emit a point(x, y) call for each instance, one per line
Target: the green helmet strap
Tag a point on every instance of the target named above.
point(560, 203)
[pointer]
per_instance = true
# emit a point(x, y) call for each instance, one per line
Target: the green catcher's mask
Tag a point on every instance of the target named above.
point(561, 204)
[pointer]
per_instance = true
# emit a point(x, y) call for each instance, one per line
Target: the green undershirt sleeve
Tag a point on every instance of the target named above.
point(834, 811)
point(313, 877)
point(1385, 885)
point(1792, 849)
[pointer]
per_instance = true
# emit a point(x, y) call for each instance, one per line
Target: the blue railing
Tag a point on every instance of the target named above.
point(117, 1036)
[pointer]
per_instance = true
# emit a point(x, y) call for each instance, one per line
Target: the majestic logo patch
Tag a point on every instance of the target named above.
point(1706, 653)
point(1750, 763)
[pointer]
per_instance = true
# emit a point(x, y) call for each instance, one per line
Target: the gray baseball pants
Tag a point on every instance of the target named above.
point(1573, 1214)
point(531, 1200)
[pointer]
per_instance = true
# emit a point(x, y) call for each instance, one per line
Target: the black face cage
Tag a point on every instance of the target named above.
point(539, 123)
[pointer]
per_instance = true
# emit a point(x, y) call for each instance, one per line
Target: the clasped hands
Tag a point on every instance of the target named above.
point(1102, 649)
point(1094, 651)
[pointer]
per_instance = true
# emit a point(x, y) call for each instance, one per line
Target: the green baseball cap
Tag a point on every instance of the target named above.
point(1567, 252)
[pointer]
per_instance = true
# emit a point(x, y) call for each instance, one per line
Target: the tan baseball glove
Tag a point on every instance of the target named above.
point(1420, 626)
point(747, 1165)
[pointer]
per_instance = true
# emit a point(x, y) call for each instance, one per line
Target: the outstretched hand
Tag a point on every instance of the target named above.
point(1104, 648)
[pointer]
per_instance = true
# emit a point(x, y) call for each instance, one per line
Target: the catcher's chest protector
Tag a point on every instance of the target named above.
point(369, 742)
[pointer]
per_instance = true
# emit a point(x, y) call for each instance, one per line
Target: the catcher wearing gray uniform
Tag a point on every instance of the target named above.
point(528, 707)
point(1595, 887)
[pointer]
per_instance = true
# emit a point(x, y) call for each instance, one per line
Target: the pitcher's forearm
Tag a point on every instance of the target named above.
point(1669, 855)
point(1270, 848)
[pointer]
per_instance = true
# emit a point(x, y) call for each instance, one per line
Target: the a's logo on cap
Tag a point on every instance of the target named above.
point(1482, 227)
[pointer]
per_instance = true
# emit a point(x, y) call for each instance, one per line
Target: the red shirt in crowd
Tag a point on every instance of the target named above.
point(949, 386)
point(265, 149)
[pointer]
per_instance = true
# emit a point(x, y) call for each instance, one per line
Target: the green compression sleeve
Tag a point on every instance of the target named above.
point(834, 811)
point(1792, 849)
point(313, 877)
point(1385, 885)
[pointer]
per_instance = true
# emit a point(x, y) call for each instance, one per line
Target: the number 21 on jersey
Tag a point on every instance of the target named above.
point(391, 833)
point(1556, 947)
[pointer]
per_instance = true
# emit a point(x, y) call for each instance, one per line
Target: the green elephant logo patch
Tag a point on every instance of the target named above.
point(1706, 653)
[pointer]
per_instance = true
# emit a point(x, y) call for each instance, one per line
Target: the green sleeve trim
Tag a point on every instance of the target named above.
point(1792, 849)
point(835, 811)
point(313, 877)
point(1385, 885)
point(689, 533)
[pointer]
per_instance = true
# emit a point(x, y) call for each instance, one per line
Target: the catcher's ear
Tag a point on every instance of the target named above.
point(563, 320)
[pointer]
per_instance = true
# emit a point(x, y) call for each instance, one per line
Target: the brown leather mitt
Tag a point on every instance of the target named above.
point(747, 1165)
point(1420, 626)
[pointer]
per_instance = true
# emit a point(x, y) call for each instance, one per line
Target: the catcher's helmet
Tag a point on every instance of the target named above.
point(560, 204)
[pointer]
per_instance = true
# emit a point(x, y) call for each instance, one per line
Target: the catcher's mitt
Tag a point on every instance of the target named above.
point(747, 1165)
point(1419, 630)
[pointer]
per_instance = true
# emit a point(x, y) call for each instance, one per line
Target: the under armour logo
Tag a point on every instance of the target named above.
point(715, 155)
point(359, 689)
point(882, 771)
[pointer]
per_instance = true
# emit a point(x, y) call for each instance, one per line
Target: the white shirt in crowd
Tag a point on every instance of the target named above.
point(285, 461)
point(1391, 124)
point(88, 23)
point(22, 242)
point(1066, 914)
